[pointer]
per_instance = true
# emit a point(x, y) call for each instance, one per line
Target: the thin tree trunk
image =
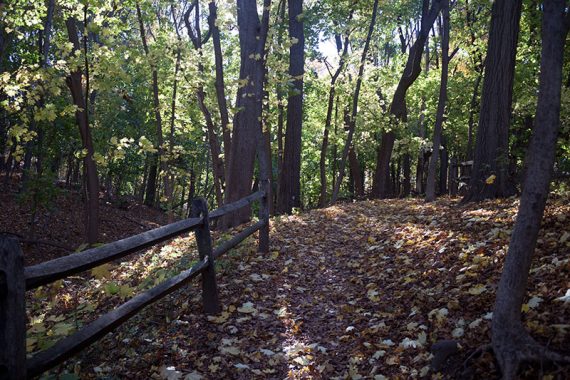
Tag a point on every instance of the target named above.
point(398, 107)
point(472, 112)
point(443, 166)
point(217, 162)
point(422, 132)
point(280, 106)
point(169, 177)
point(220, 85)
point(156, 161)
point(334, 149)
point(407, 172)
point(430, 187)
point(352, 124)
point(328, 120)
point(511, 343)
point(74, 82)
point(356, 173)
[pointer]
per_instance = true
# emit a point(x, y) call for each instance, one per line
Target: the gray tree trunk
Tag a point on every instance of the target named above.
point(289, 195)
point(247, 121)
point(492, 141)
point(511, 343)
point(398, 107)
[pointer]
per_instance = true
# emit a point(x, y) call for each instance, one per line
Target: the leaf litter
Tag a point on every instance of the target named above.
point(354, 291)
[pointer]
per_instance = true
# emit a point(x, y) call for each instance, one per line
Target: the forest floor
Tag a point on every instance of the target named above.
point(58, 226)
point(354, 291)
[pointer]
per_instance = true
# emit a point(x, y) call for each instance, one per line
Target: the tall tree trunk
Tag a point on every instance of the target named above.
point(220, 85)
point(443, 166)
point(290, 177)
point(472, 113)
point(407, 173)
point(398, 108)
point(511, 343)
point(74, 82)
point(437, 131)
point(156, 162)
point(420, 188)
point(194, 31)
point(334, 149)
point(280, 107)
point(247, 121)
point(356, 173)
point(169, 177)
point(492, 143)
point(328, 120)
point(352, 123)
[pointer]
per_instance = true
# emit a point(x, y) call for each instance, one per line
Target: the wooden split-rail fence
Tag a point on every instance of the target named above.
point(15, 280)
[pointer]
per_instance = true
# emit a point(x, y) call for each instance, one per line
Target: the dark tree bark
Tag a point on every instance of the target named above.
point(420, 184)
point(443, 166)
point(472, 113)
point(356, 173)
point(195, 33)
point(398, 108)
point(492, 142)
point(74, 82)
point(479, 63)
point(332, 91)
point(220, 85)
point(511, 343)
point(430, 186)
point(169, 178)
point(407, 180)
point(352, 123)
point(290, 177)
point(247, 121)
point(156, 162)
point(280, 107)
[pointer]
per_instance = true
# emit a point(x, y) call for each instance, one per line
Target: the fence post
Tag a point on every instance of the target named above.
point(265, 186)
point(210, 299)
point(12, 310)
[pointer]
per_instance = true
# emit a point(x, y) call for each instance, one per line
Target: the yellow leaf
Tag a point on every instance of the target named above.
point(477, 289)
point(491, 179)
point(102, 271)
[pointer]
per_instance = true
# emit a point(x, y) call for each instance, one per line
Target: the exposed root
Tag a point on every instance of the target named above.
point(521, 348)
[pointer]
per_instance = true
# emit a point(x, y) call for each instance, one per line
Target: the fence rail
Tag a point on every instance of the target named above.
point(15, 280)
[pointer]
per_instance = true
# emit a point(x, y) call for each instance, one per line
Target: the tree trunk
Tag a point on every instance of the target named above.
point(437, 131)
point(406, 171)
point(328, 121)
point(74, 82)
point(398, 108)
point(492, 142)
point(290, 181)
point(443, 166)
point(220, 85)
point(352, 123)
point(156, 163)
point(247, 121)
point(356, 173)
point(194, 31)
point(511, 343)
point(472, 114)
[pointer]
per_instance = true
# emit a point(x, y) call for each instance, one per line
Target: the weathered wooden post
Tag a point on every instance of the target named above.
point(12, 311)
point(210, 299)
point(265, 186)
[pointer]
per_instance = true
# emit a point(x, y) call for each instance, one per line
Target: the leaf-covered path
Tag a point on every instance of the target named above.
point(357, 290)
